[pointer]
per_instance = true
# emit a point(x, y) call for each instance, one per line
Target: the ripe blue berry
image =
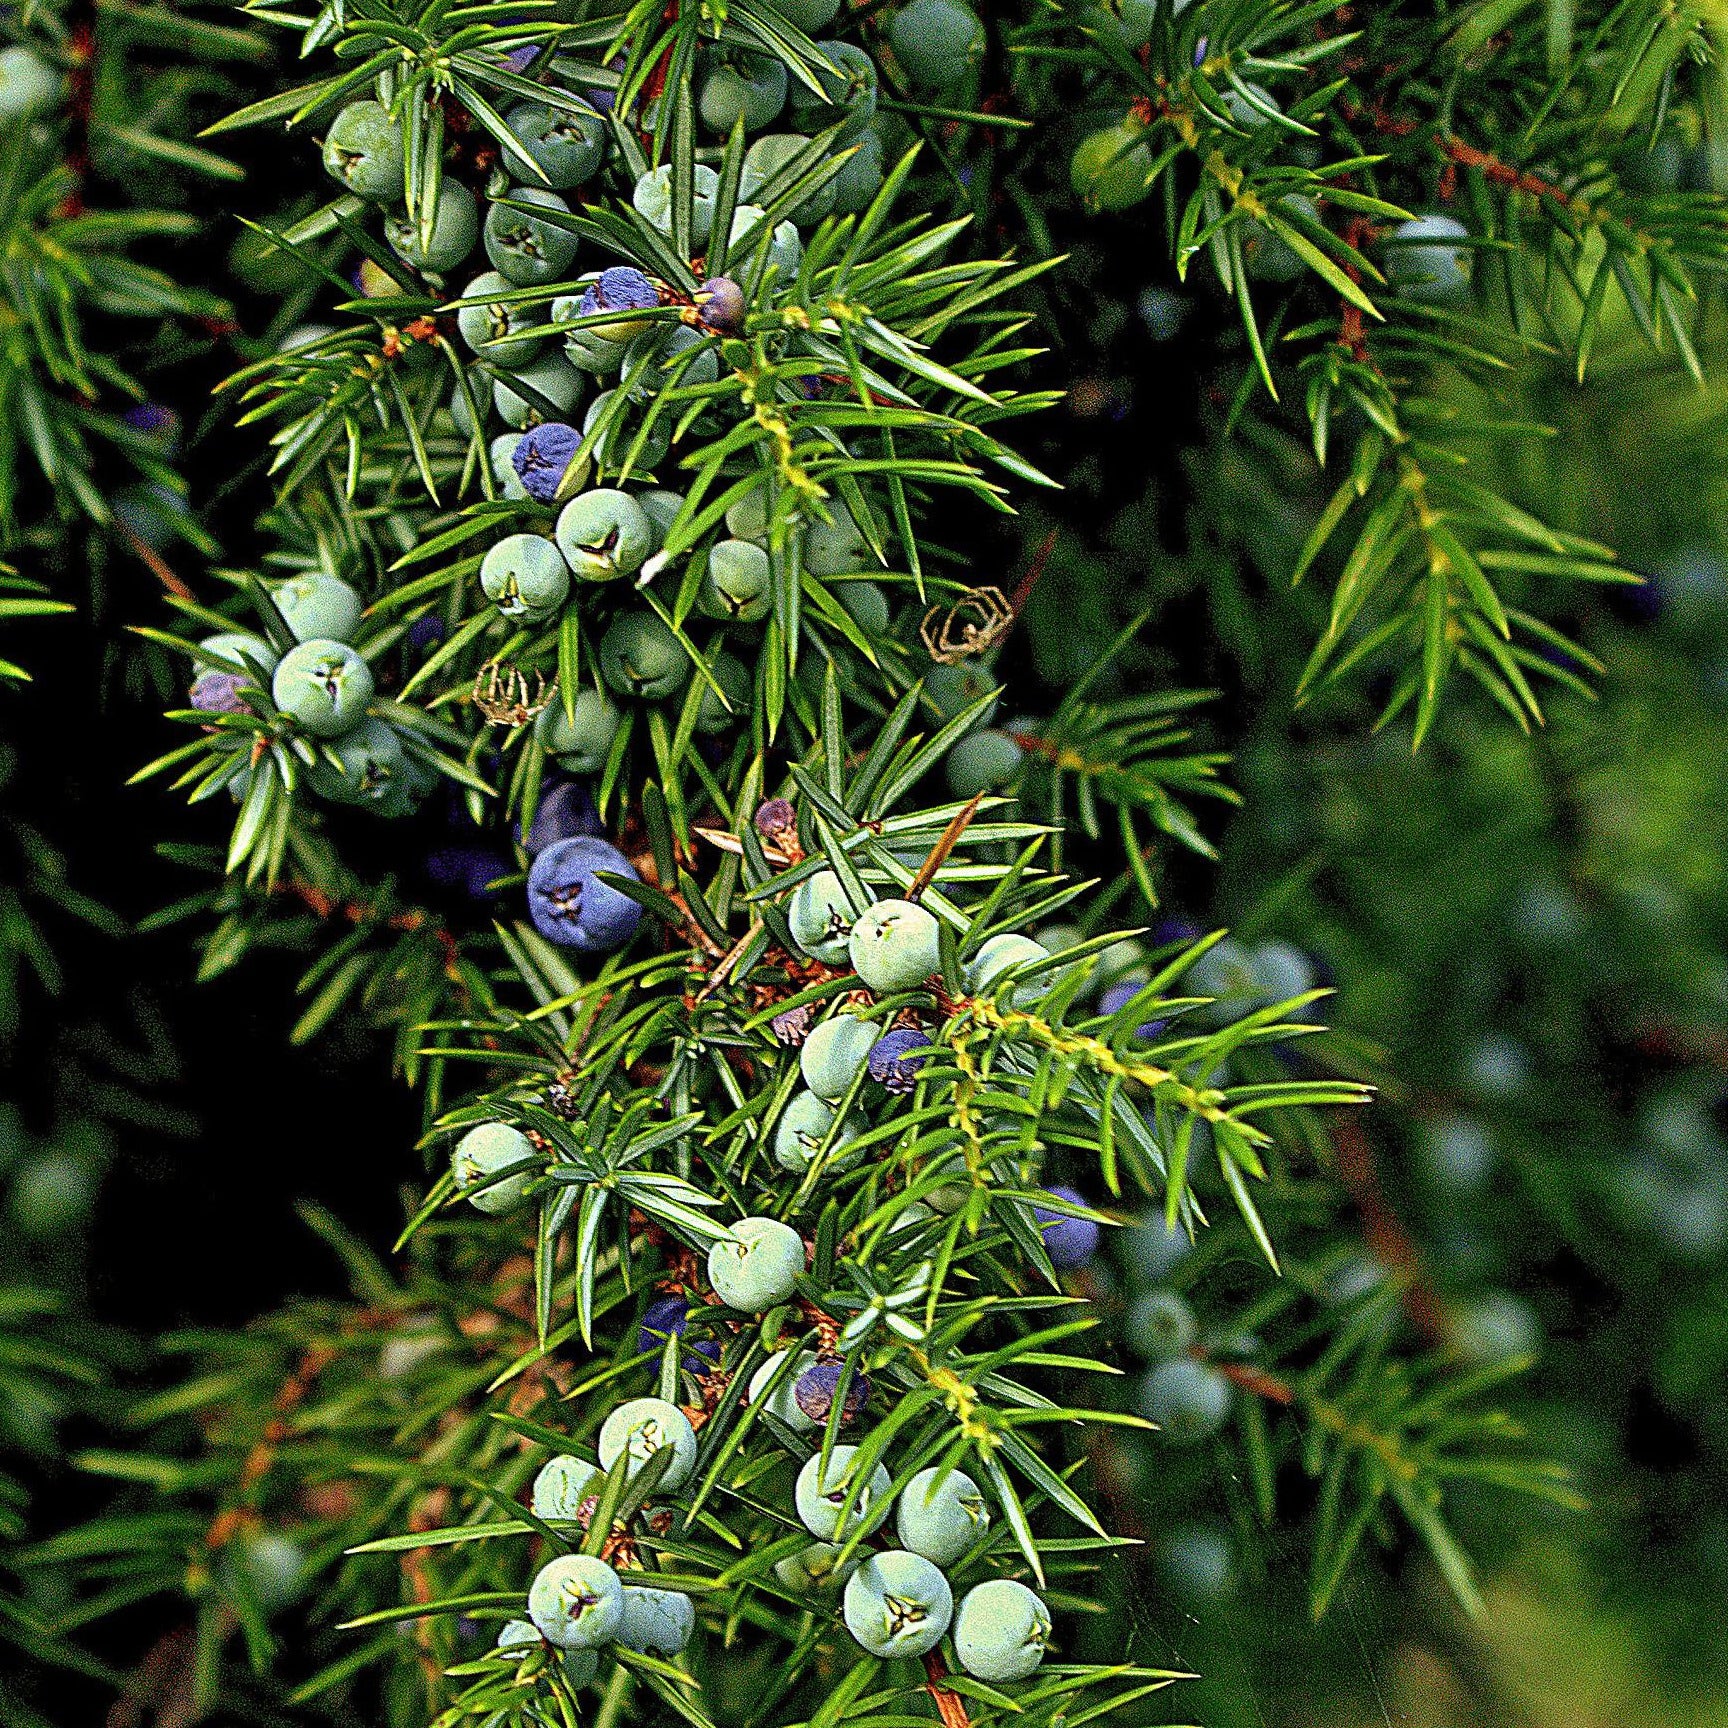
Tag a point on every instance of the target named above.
point(895, 1060)
point(756, 1265)
point(941, 1516)
point(818, 1386)
point(603, 534)
point(639, 656)
point(668, 1316)
point(623, 290)
point(571, 906)
point(565, 811)
point(894, 946)
point(543, 457)
point(455, 228)
point(317, 606)
point(324, 685)
point(482, 1153)
point(1118, 996)
point(490, 328)
point(643, 1427)
point(1001, 1630)
point(561, 1486)
point(1187, 1399)
point(217, 692)
point(782, 1402)
point(524, 576)
point(1070, 1242)
point(898, 1604)
point(581, 742)
point(577, 1602)
point(660, 1621)
point(834, 1053)
point(820, 917)
point(363, 150)
point(820, 1495)
point(721, 306)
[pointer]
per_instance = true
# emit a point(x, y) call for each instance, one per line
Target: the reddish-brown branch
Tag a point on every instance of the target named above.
point(1040, 561)
point(1389, 1242)
point(950, 1706)
point(1490, 166)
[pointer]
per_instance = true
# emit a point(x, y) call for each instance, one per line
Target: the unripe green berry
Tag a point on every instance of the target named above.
point(714, 715)
point(561, 1486)
point(1002, 954)
point(660, 1621)
point(756, 1265)
point(767, 156)
point(738, 586)
point(805, 1123)
point(604, 533)
point(525, 248)
point(981, 762)
point(639, 656)
point(1111, 168)
point(815, 1568)
point(834, 1054)
point(324, 685)
point(941, 1516)
point(898, 1604)
point(741, 86)
point(1187, 1399)
point(652, 199)
point(820, 1494)
point(567, 148)
point(363, 151)
point(1160, 1326)
point(937, 41)
point(525, 576)
point(369, 766)
point(644, 1426)
point(549, 380)
point(490, 328)
point(317, 606)
point(485, 1150)
point(1001, 1631)
point(894, 946)
point(581, 742)
point(820, 917)
point(577, 1602)
point(455, 228)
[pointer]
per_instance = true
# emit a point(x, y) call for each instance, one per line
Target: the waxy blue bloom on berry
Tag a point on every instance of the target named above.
point(1070, 1242)
point(571, 906)
point(542, 457)
point(819, 1385)
point(895, 1060)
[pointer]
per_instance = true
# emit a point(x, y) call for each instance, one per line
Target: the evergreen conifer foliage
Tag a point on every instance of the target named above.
point(1407, 211)
point(745, 1365)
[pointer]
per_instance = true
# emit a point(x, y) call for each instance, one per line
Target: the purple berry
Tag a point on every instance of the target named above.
point(815, 1388)
point(1070, 1242)
point(543, 457)
point(566, 809)
point(219, 692)
point(623, 288)
point(667, 1316)
point(720, 305)
point(571, 906)
point(160, 424)
point(471, 869)
point(893, 1061)
point(775, 816)
point(425, 633)
point(1117, 997)
point(792, 1026)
